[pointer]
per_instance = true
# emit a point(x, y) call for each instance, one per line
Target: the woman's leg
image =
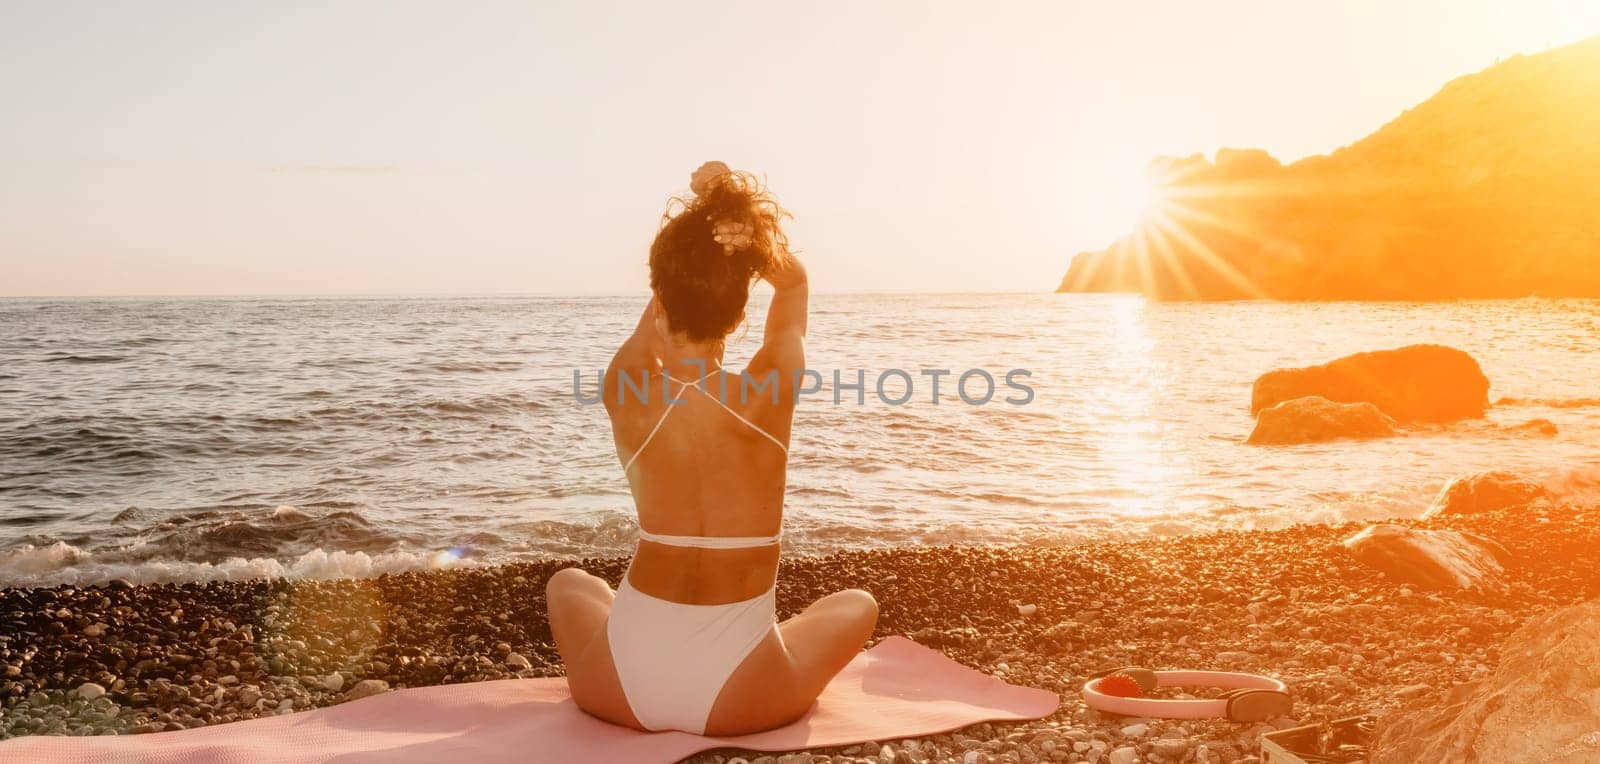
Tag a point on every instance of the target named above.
point(825, 636)
point(782, 677)
point(579, 605)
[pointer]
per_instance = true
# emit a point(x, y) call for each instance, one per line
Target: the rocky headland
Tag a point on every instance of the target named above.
point(1485, 190)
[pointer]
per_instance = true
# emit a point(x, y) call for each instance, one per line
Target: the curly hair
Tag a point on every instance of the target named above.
point(701, 284)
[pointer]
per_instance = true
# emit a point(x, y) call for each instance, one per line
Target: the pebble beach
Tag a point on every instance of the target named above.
point(117, 658)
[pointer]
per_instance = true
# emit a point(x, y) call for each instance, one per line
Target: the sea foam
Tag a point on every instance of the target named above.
point(62, 563)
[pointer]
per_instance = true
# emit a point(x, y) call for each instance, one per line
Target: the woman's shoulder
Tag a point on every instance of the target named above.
point(629, 378)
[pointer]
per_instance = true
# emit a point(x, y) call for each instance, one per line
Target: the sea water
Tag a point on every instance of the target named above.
point(169, 439)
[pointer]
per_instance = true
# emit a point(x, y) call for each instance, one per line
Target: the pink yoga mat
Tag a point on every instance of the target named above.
point(897, 689)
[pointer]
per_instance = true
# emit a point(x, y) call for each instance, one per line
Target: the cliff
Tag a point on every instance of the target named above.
point(1490, 188)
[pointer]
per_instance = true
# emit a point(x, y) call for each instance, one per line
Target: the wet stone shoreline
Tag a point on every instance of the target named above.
point(117, 658)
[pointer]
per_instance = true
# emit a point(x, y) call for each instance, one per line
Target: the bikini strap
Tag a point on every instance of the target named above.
point(663, 420)
point(709, 542)
point(736, 415)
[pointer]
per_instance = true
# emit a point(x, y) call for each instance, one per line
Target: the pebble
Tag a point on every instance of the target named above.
point(1135, 730)
point(333, 682)
point(90, 690)
point(366, 688)
point(1124, 755)
point(1171, 748)
point(518, 662)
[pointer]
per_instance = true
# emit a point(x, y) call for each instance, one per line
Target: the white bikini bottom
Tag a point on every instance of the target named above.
point(673, 658)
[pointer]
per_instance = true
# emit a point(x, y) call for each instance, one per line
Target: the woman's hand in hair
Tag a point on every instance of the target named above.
point(784, 271)
point(701, 179)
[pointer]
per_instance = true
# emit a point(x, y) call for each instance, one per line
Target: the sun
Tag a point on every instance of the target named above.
point(1168, 247)
point(1154, 194)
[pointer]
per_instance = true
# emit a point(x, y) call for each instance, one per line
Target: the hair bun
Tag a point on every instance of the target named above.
point(705, 175)
point(712, 247)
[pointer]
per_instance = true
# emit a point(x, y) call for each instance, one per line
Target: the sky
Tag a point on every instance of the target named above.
point(222, 148)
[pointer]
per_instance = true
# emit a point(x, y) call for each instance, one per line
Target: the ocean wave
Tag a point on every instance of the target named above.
point(402, 411)
point(141, 342)
point(32, 518)
point(294, 542)
point(63, 563)
point(465, 367)
point(1554, 403)
point(210, 535)
point(1575, 483)
point(609, 534)
point(75, 358)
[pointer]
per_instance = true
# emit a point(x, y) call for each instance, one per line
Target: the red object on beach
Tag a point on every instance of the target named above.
point(1120, 685)
point(1095, 696)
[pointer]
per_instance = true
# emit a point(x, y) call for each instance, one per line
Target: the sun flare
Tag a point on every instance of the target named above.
point(1172, 226)
point(1154, 194)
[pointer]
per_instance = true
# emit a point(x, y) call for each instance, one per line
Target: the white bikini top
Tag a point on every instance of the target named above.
point(702, 542)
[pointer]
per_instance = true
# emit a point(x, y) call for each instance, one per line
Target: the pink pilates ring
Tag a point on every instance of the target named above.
point(1179, 709)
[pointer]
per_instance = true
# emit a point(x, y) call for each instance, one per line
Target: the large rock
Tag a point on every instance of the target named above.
point(1485, 492)
point(1429, 558)
point(1312, 420)
point(1542, 703)
point(1419, 383)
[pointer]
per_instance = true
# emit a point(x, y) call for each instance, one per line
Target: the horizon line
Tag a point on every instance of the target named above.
point(446, 295)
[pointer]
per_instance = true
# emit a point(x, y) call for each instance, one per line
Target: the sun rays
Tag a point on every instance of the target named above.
point(1176, 240)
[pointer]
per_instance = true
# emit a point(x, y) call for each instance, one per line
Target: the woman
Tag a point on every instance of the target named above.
point(689, 641)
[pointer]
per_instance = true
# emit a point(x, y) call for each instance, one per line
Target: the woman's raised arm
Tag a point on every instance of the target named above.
point(636, 356)
point(783, 345)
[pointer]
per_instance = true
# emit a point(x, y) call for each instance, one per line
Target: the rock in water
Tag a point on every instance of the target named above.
point(1485, 492)
point(1419, 383)
point(1435, 559)
point(1540, 704)
point(90, 690)
point(1312, 420)
point(366, 688)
